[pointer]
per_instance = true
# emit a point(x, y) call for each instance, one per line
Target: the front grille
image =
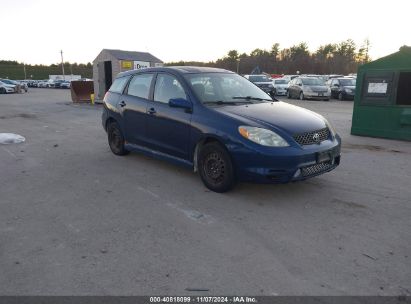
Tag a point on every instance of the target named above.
point(309, 138)
point(315, 169)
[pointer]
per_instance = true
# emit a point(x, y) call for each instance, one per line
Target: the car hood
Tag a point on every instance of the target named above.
point(349, 87)
point(263, 82)
point(277, 115)
point(317, 87)
point(9, 85)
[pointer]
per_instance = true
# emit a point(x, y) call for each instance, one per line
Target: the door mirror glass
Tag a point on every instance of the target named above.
point(179, 103)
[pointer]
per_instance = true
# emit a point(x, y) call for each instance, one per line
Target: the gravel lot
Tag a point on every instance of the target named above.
point(77, 220)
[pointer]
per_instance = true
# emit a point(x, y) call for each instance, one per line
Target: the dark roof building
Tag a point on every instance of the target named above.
point(109, 63)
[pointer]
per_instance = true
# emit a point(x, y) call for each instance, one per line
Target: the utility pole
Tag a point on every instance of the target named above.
point(62, 64)
point(24, 67)
point(238, 65)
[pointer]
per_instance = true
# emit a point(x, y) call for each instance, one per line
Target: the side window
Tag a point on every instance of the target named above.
point(334, 82)
point(140, 85)
point(168, 87)
point(118, 85)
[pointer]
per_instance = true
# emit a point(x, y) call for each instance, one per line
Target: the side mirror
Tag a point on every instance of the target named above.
point(179, 103)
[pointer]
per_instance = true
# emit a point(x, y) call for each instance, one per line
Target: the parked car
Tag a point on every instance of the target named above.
point(308, 88)
point(7, 88)
point(43, 83)
point(57, 83)
point(18, 85)
point(65, 85)
point(342, 88)
point(280, 86)
point(217, 123)
point(263, 82)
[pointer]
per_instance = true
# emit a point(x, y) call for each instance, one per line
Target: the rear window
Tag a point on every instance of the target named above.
point(118, 85)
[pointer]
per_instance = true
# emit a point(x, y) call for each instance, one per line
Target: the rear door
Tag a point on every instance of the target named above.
point(168, 129)
point(133, 105)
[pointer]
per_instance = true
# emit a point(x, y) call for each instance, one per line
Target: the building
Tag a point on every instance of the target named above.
point(382, 104)
point(109, 63)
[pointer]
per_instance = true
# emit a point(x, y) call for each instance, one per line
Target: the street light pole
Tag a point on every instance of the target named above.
point(24, 68)
point(238, 65)
point(62, 64)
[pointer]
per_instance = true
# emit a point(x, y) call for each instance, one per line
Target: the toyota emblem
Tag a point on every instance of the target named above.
point(316, 138)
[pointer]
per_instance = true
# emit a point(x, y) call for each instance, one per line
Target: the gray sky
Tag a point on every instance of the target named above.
point(35, 31)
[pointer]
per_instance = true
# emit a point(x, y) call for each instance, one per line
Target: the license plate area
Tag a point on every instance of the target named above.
point(320, 94)
point(324, 156)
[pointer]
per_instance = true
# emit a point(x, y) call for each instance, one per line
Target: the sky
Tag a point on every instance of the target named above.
point(194, 30)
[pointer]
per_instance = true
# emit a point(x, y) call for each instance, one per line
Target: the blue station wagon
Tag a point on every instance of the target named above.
point(218, 123)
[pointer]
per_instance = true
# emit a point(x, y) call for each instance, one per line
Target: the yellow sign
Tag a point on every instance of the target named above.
point(126, 64)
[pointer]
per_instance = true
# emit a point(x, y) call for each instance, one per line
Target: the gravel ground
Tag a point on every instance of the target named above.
point(77, 220)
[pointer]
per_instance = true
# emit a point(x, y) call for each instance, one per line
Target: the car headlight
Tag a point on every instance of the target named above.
point(330, 127)
point(262, 136)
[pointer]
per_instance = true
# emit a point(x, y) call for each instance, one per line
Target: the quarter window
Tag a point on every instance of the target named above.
point(168, 87)
point(118, 85)
point(140, 85)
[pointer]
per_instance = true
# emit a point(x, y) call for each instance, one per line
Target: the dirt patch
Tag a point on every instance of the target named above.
point(21, 115)
point(348, 204)
point(369, 148)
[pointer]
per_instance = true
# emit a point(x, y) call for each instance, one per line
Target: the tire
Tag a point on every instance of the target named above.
point(302, 95)
point(2, 91)
point(215, 168)
point(116, 139)
point(288, 94)
point(340, 96)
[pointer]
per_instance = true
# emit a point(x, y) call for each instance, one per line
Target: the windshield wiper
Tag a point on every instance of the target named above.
point(252, 98)
point(219, 102)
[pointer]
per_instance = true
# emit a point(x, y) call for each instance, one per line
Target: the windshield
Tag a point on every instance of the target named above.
point(225, 88)
point(258, 78)
point(347, 82)
point(312, 81)
point(280, 81)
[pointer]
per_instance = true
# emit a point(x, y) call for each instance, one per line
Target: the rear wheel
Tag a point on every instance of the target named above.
point(116, 139)
point(215, 168)
point(340, 96)
point(302, 96)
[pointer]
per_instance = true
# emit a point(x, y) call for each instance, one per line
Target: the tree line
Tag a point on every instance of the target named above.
point(332, 58)
point(15, 70)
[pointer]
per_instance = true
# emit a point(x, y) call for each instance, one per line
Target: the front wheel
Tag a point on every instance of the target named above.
point(2, 91)
point(288, 94)
point(215, 168)
point(302, 96)
point(340, 96)
point(116, 139)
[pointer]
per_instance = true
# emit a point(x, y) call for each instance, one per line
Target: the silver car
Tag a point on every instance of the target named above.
point(280, 86)
point(308, 88)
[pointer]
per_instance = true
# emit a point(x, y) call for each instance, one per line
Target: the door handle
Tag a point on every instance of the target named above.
point(151, 111)
point(122, 104)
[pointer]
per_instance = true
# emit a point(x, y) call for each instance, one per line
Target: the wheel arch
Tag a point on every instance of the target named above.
point(203, 141)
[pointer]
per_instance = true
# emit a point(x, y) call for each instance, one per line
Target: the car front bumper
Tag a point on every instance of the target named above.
point(319, 95)
point(287, 164)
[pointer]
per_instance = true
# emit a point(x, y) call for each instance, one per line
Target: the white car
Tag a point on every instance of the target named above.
point(7, 88)
point(280, 86)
